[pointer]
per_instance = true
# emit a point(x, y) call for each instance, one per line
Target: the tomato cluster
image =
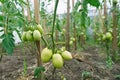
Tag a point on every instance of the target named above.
point(32, 34)
point(57, 59)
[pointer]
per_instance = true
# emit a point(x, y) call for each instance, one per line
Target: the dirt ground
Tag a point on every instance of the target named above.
point(87, 65)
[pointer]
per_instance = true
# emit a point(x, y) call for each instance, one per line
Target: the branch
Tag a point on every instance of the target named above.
point(53, 47)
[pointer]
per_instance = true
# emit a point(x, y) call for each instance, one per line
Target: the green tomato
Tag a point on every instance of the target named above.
point(57, 61)
point(71, 42)
point(36, 35)
point(109, 36)
point(66, 55)
point(39, 27)
point(23, 37)
point(62, 49)
point(72, 38)
point(29, 36)
point(103, 37)
point(31, 28)
point(46, 55)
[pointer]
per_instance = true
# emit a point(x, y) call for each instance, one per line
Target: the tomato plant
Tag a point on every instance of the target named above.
point(56, 37)
point(10, 22)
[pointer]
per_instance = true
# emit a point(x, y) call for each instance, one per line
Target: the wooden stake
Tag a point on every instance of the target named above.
point(114, 45)
point(68, 26)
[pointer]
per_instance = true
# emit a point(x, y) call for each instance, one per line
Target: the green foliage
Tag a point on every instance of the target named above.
point(43, 10)
point(81, 17)
point(117, 76)
point(11, 19)
point(8, 43)
point(95, 3)
point(76, 6)
point(58, 25)
point(83, 13)
point(38, 70)
point(25, 67)
point(109, 62)
point(86, 74)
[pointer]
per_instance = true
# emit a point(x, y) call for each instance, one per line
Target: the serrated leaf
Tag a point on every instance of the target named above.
point(8, 43)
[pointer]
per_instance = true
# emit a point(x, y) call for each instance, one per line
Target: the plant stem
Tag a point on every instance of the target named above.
point(53, 74)
point(1, 56)
point(107, 48)
point(44, 41)
point(24, 59)
point(53, 27)
point(53, 47)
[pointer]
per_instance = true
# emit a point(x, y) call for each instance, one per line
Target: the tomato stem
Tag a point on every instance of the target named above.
point(53, 46)
point(44, 41)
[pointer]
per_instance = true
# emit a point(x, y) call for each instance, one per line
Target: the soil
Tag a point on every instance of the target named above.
point(89, 64)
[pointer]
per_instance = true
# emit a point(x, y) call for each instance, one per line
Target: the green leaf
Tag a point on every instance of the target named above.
point(58, 25)
point(83, 18)
point(117, 76)
point(77, 4)
point(2, 36)
point(8, 43)
point(18, 32)
point(1, 24)
point(95, 3)
point(88, 21)
point(38, 70)
point(1, 30)
point(1, 18)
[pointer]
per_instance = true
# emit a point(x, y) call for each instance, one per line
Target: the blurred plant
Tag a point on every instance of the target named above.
point(117, 77)
point(86, 74)
point(37, 71)
point(109, 62)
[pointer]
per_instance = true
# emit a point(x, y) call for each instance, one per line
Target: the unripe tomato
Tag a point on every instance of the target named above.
point(29, 36)
point(23, 37)
point(46, 55)
point(39, 27)
point(32, 28)
point(63, 30)
point(36, 35)
point(66, 55)
point(72, 38)
point(62, 49)
point(57, 61)
point(71, 42)
point(103, 37)
point(109, 36)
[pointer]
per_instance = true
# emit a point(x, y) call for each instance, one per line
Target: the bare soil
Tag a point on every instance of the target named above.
point(89, 64)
